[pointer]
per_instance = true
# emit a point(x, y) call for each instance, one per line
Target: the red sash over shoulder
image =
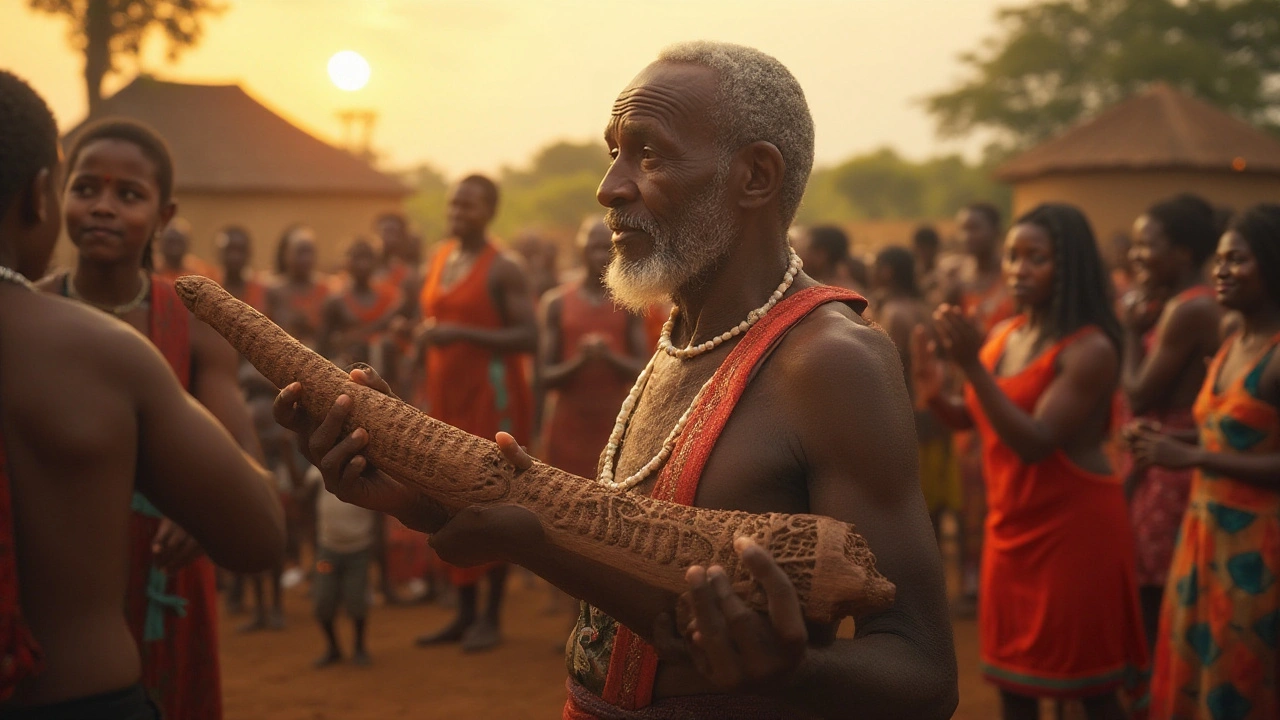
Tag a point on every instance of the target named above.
point(633, 664)
point(20, 655)
point(173, 615)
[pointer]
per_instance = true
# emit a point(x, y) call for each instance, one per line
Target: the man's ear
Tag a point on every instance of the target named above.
point(35, 201)
point(765, 169)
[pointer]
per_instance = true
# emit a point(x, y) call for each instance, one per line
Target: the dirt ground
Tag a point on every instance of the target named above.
point(268, 675)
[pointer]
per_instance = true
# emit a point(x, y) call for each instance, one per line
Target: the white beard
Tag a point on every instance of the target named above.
point(684, 251)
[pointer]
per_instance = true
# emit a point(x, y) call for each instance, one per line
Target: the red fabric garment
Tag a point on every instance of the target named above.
point(253, 294)
point(469, 386)
point(386, 298)
point(633, 664)
point(583, 705)
point(395, 275)
point(303, 312)
point(461, 387)
point(1059, 613)
point(581, 414)
point(1160, 495)
point(181, 670)
point(20, 654)
point(989, 307)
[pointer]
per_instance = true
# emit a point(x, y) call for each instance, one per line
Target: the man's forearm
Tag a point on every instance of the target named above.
point(882, 675)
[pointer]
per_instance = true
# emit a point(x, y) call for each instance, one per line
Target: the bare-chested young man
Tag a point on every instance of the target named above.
point(90, 413)
point(712, 147)
point(118, 197)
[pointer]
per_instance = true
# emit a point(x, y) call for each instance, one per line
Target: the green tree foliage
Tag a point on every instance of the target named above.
point(557, 190)
point(1056, 62)
point(106, 29)
point(883, 185)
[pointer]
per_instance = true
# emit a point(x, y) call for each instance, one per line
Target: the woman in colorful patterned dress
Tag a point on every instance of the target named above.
point(1216, 651)
point(1058, 616)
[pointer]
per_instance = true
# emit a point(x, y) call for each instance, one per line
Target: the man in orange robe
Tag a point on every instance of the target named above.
point(478, 326)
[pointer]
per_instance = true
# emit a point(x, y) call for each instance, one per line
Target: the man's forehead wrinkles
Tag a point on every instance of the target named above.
point(655, 99)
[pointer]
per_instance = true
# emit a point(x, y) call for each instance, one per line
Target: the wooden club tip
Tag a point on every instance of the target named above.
point(191, 288)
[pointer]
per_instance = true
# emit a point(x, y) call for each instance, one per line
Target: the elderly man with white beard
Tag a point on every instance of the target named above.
point(768, 393)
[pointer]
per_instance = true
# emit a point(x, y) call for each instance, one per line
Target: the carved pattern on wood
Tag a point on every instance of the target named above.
point(830, 565)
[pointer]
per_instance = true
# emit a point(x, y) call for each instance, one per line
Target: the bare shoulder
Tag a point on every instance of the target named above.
point(507, 272)
point(1202, 311)
point(51, 283)
point(117, 349)
point(835, 356)
point(835, 336)
point(554, 298)
point(1092, 352)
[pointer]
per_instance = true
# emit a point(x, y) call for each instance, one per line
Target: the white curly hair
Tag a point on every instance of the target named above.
point(757, 99)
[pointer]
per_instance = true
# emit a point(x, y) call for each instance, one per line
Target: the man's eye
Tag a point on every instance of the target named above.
point(613, 153)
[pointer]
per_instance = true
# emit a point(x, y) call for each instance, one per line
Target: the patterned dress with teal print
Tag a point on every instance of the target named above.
point(1217, 653)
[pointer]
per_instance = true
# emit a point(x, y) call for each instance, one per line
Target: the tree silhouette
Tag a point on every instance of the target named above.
point(1056, 62)
point(105, 29)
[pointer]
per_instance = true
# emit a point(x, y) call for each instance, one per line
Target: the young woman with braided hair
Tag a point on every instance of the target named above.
point(1039, 393)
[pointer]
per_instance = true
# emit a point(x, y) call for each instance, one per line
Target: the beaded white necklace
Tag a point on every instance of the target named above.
point(794, 263)
point(664, 345)
point(15, 277)
point(144, 289)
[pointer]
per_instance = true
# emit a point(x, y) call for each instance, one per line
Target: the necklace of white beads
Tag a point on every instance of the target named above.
point(15, 277)
point(664, 345)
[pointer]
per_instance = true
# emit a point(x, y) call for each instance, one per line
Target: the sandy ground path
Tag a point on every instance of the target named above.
point(268, 675)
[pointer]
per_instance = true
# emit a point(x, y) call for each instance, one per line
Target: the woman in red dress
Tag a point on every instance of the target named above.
point(1058, 616)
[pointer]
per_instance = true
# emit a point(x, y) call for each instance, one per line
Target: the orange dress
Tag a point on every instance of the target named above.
point(1217, 651)
point(1059, 614)
point(470, 386)
point(582, 412)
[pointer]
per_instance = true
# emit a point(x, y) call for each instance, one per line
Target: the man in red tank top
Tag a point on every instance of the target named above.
point(802, 409)
point(1171, 329)
point(477, 327)
point(591, 352)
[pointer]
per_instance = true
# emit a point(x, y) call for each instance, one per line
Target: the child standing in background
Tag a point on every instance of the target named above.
point(344, 548)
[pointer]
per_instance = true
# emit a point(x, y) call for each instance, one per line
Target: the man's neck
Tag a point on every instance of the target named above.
point(743, 282)
point(106, 284)
point(361, 286)
point(987, 263)
point(1187, 279)
point(472, 243)
point(1260, 325)
point(593, 284)
point(235, 278)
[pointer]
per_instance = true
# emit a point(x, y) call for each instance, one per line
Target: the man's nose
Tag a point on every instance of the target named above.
point(617, 188)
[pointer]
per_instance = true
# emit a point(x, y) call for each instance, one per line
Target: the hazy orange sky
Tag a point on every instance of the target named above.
point(477, 84)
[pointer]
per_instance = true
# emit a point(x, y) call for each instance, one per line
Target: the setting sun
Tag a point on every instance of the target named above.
point(349, 70)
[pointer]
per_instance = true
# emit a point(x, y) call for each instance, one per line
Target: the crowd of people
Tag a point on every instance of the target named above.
point(1104, 435)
